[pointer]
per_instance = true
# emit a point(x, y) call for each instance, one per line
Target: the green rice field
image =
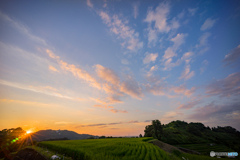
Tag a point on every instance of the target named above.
point(114, 149)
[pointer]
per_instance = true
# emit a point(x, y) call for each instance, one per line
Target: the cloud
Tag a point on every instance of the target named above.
point(76, 71)
point(232, 57)
point(135, 10)
point(172, 114)
point(203, 40)
point(132, 88)
point(53, 68)
point(102, 106)
point(157, 89)
point(159, 19)
point(110, 124)
point(214, 111)
point(182, 89)
point(31, 103)
point(152, 37)
point(107, 74)
point(192, 11)
point(118, 111)
point(152, 69)
point(208, 24)
point(229, 86)
point(187, 73)
point(187, 56)
point(125, 61)
point(150, 57)
point(44, 90)
point(171, 51)
point(204, 66)
point(20, 27)
point(89, 3)
point(121, 29)
point(177, 42)
point(189, 105)
point(159, 16)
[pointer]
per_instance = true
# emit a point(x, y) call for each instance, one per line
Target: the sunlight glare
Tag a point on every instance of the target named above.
point(28, 132)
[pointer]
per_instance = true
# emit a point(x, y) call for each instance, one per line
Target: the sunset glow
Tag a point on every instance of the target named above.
point(110, 67)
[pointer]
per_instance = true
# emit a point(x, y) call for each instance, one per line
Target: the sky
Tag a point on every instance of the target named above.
point(110, 67)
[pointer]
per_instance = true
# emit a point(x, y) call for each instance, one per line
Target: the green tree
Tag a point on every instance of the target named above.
point(140, 135)
point(148, 132)
point(157, 128)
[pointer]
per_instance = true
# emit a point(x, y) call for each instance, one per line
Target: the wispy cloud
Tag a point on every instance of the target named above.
point(189, 105)
point(132, 88)
point(53, 68)
point(77, 72)
point(45, 90)
point(89, 3)
point(226, 87)
point(135, 9)
point(192, 11)
point(187, 73)
point(208, 24)
point(121, 29)
point(214, 111)
point(150, 57)
point(204, 66)
point(232, 58)
point(118, 111)
point(171, 51)
point(21, 28)
point(182, 89)
point(159, 17)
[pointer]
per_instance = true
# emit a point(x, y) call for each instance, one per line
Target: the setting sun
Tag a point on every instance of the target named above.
point(29, 132)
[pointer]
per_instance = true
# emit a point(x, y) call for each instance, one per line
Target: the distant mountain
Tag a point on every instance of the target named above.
point(58, 134)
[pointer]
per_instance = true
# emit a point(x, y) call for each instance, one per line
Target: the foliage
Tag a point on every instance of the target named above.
point(11, 140)
point(140, 135)
point(157, 128)
point(149, 131)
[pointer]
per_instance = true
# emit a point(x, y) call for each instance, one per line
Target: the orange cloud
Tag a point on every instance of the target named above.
point(107, 74)
point(102, 106)
point(120, 111)
point(182, 89)
point(52, 68)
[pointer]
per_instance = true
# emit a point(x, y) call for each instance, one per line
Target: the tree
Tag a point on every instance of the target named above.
point(148, 132)
point(158, 130)
point(140, 135)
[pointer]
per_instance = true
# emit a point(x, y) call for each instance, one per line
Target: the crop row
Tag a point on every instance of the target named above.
point(116, 148)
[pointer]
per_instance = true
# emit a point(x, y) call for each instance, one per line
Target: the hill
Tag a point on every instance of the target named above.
point(58, 134)
point(180, 132)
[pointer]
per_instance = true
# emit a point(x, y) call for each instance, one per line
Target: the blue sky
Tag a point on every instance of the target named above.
point(109, 67)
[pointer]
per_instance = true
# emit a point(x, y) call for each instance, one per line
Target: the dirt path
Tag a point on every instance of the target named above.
point(164, 146)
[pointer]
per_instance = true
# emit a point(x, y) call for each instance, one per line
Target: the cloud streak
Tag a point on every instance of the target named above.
point(231, 58)
point(229, 86)
point(123, 31)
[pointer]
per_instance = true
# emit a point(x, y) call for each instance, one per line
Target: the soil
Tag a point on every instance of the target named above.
point(27, 154)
